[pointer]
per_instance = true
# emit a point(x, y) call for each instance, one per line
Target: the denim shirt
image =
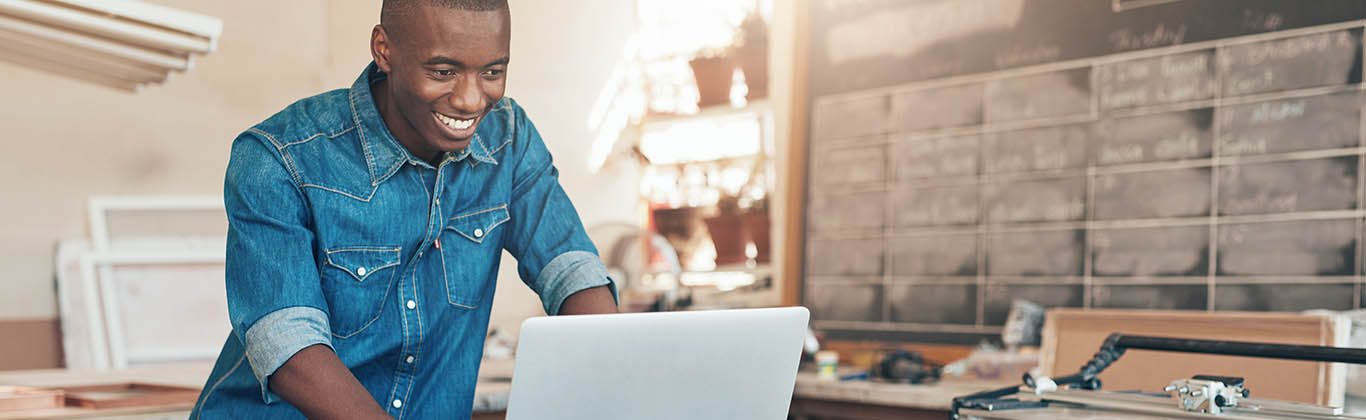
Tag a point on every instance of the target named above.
point(338, 236)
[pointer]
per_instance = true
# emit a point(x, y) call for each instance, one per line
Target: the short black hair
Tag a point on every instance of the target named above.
point(392, 12)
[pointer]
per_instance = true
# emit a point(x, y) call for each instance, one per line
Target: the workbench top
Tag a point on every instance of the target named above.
point(935, 396)
point(490, 392)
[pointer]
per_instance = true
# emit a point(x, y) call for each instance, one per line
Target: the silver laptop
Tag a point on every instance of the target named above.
point(731, 364)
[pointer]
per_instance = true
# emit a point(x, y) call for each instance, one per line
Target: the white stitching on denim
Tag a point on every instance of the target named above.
point(389, 173)
point(500, 147)
point(284, 157)
point(418, 309)
point(478, 212)
point(402, 316)
point(378, 312)
point(310, 138)
point(446, 276)
point(487, 231)
point(394, 249)
point(273, 141)
point(205, 397)
point(364, 144)
point(366, 199)
point(488, 155)
point(358, 277)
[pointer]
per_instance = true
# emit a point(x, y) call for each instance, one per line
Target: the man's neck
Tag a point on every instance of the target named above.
point(398, 126)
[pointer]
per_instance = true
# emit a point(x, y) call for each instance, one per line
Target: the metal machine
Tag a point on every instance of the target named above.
point(1079, 396)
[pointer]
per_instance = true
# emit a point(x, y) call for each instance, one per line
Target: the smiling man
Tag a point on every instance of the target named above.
point(366, 226)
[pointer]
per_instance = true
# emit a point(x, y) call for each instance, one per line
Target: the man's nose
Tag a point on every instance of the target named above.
point(466, 97)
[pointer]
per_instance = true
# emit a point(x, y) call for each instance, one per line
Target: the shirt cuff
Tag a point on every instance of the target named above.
point(570, 273)
point(273, 339)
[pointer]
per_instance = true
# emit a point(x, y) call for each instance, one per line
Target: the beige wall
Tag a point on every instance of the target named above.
point(66, 140)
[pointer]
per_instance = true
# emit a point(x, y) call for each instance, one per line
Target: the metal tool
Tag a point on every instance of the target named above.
point(1202, 396)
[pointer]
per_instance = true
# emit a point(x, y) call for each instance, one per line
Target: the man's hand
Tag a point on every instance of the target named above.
point(597, 300)
point(321, 387)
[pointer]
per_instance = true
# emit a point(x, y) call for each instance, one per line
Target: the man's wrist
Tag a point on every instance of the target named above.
point(594, 300)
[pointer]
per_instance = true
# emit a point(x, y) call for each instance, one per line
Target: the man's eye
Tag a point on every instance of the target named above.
point(493, 73)
point(444, 73)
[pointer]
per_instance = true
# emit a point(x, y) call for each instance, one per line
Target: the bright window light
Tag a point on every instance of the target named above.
point(704, 139)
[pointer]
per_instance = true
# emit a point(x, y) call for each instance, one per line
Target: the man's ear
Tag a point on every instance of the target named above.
point(379, 47)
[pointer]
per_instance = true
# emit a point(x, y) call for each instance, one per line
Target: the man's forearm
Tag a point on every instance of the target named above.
point(597, 300)
point(321, 387)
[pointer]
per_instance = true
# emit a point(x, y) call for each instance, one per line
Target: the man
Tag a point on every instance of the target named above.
point(366, 225)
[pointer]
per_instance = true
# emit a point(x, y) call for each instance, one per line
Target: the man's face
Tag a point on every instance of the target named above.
point(447, 68)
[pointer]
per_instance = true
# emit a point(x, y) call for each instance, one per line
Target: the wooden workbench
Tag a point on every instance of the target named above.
point(490, 399)
point(814, 398)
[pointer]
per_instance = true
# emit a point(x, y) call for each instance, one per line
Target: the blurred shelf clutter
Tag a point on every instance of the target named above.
point(696, 120)
point(122, 44)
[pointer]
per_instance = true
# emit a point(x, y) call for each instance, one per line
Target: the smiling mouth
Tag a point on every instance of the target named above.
point(454, 123)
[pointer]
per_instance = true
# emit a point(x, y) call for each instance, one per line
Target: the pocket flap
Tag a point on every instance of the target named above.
point(361, 262)
point(476, 226)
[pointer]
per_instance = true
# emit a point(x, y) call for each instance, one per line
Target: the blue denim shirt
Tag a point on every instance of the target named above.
point(338, 236)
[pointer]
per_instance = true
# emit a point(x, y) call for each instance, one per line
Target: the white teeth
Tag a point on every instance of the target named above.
point(454, 123)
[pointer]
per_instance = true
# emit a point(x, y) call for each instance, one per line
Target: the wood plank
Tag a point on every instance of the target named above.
point(128, 394)
point(25, 398)
point(795, 194)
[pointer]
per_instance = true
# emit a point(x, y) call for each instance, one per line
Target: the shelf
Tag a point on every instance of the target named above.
point(758, 106)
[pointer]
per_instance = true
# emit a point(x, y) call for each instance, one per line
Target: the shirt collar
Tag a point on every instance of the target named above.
point(383, 153)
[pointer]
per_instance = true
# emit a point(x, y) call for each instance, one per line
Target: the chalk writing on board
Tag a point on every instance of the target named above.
point(1040, 200)
point(1161, 35)
point(1288, 125)
point(1155, 137)
point(1321, 59)
point(1158, 80)
point(1281, 187)
point(1053, 94)
point(935, 206)
point(1039, 149)
point(937, 157)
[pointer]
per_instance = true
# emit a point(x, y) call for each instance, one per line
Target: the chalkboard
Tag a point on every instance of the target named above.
point(1187, 154)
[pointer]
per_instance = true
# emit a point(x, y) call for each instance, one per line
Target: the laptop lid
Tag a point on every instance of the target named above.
point(728, 364)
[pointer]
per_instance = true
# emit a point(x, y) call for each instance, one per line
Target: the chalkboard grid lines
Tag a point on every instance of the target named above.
point(1260, 178)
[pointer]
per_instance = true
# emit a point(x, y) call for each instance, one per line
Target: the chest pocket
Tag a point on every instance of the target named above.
point(355, 281)
point(471, 247)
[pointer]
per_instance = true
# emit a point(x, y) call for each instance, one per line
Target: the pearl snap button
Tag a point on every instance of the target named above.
point(412, 305)
point(398, 404)
point(409, 359)
point(360, 271)
point(478, 233)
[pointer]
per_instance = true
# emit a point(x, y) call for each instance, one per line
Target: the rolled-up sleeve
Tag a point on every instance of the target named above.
point(275, 300)
point(554, 255)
